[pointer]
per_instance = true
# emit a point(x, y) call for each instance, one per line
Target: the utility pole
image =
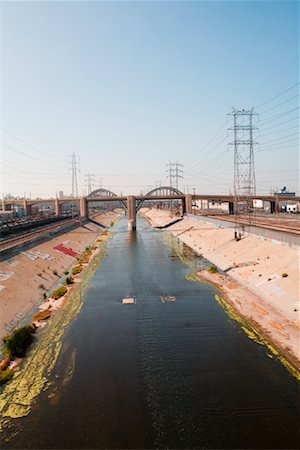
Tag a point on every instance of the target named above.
point(89, 182)
point(75, 169)
point(174, 172)
point(170, 172)
point(178, 172)
point(244, 172)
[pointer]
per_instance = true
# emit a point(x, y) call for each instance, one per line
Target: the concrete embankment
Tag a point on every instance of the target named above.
point(261, 279)
point(28, 275)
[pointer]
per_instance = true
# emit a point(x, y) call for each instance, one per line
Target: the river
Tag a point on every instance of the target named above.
point(158, 375)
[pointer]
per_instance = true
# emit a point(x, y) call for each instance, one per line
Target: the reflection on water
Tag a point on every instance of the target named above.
point(158, 375)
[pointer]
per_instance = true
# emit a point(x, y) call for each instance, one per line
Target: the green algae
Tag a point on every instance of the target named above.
point(32, 378)
point(250, 330)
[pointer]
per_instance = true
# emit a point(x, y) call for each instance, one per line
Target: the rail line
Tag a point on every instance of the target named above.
point(9, 243)
point(257, 222)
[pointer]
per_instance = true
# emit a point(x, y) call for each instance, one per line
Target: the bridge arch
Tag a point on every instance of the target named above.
point(158, 191)
point(102, 192)
point(165, 190)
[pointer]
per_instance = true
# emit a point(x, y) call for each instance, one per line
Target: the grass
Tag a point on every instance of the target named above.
point(59, 292)
point(5, 375)
point(76, 270)
point(213, 269)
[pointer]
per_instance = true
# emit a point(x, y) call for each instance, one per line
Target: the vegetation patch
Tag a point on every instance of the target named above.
point(5, 376)
point(59, 292)
point(69, 280)
point(16, 343)
point(42, 315)
point(76, 270)
point(213, 269)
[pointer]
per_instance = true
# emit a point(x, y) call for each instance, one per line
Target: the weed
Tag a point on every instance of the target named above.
point(16, 343)
point(213, 269)
point(5, 375)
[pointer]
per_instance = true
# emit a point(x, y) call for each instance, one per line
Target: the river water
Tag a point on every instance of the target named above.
point(158, 375)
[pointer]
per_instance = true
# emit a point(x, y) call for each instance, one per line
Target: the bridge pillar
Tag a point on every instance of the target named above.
point(3, 207)
point(27, 208)
point(131, 211)
point(58, 208)
point(231, 207)
point(235, 205)
point(83, 208)
point(188, 203)
point(274, 206)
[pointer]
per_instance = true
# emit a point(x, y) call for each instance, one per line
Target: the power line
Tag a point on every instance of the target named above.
point(279, 104)
point(31, 146)
point(29, 156)
point(278, 95)
point(278, 116)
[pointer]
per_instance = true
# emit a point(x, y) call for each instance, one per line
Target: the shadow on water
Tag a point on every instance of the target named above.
point(158, 375)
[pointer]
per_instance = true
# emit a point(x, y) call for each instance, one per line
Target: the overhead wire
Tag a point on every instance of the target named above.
point(278, 95)
point(31, 146)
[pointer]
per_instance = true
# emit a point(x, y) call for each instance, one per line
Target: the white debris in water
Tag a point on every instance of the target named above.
point(128, 301)
point(168, 299)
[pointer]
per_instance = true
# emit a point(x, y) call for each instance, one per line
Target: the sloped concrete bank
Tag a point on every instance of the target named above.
point(28, 276)
point(260, 283)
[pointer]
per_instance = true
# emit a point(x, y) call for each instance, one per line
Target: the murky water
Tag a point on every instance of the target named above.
point(158, 375)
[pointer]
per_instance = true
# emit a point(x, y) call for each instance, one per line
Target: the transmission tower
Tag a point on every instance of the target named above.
point(174, 172)
point(89, 182)
point(244, 172)
point(170, 172)
point(75, 169)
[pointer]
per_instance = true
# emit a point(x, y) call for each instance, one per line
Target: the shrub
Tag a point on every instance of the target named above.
point(76, 270)
point(69, 280)
point(66, 272)
point(16, 343)
point(45, 295)
point(39, 274)
point(5, 376)
point(41, 286)
point(213, 269)
point(59, 292)
point(284, 275)
point(55, 272)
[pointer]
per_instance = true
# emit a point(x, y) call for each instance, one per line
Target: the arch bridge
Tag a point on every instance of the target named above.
point(132, 204)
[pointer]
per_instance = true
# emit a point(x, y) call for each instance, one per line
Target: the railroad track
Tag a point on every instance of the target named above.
point(257, 222)
point(9, 243)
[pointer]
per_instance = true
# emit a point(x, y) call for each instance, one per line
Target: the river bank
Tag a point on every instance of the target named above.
point(28, 276)
point(253, 283)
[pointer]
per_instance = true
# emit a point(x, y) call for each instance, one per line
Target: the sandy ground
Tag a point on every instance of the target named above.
point(25, 277)
point(253, 282)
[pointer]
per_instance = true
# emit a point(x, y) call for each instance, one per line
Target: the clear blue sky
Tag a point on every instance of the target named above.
point(130, 85)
